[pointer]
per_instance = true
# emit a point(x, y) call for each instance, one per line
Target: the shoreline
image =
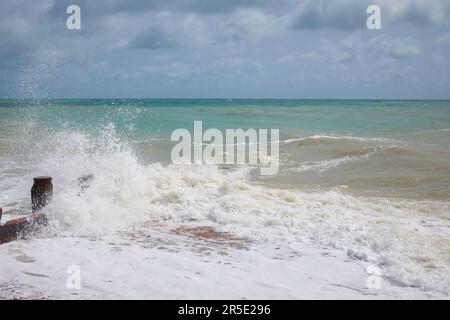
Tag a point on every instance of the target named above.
point(187, 262)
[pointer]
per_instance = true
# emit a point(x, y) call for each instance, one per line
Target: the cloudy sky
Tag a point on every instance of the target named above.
point(225, 48)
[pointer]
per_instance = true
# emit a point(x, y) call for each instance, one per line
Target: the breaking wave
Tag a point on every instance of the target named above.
point(400, 237)
point(410, 240)
point(361, 155)
point(321, 138)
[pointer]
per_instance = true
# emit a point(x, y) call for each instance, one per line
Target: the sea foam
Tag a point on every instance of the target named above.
point(399, 237)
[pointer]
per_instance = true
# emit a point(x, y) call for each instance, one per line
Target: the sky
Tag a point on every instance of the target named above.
point(309, 49)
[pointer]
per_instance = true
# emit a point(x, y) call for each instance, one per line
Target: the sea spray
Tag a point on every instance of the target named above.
point(126, 193)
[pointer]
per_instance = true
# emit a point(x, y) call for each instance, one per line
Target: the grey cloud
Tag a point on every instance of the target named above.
point(18, 34)
point(14, 43)
point(235, 68)
point(351, 14)
point(420, 12)
point(153, 38)
point(443, 39)
point(318, 14)
point(197, 6)
point(356, 59)
point(399, 48)
point(248, 25)
point(371, 50)
point(221, 39)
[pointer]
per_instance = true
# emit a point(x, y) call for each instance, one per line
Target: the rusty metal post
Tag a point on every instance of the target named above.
point(41, 193)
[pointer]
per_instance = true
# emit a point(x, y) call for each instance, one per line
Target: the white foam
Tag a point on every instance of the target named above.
point(166, 266)
point(336, 137)
point(324, 165)
point(435, 131)
point(126, 192)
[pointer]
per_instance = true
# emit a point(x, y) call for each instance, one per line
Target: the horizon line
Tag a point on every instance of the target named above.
point(199, 98)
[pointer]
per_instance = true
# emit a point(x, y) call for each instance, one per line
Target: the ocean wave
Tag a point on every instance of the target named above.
point(434, 131)
point(324, 165)
point(359, 155)
point(126, 193)
point(332, 137)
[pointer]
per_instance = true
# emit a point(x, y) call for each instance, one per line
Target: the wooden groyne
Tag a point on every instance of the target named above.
point(41, 194)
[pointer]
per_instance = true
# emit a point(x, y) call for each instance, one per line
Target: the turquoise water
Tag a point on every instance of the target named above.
point(368, 118)
point(387, 148)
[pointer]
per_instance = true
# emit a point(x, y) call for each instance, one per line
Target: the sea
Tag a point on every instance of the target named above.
point(369, 178)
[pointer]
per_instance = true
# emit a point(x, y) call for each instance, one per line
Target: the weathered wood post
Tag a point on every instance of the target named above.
point(41, 193)
point(18, 228)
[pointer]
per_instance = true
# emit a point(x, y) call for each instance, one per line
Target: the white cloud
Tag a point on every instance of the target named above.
point(399, 48)
point(187, 40)
point(248, 25)
point(443, 39)
point(172, 70)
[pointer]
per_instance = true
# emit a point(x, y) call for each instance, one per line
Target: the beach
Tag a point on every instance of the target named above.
point(158, 265)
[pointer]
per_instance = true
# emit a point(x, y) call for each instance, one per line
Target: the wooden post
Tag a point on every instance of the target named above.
point(41, 193)
point(15, 229)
